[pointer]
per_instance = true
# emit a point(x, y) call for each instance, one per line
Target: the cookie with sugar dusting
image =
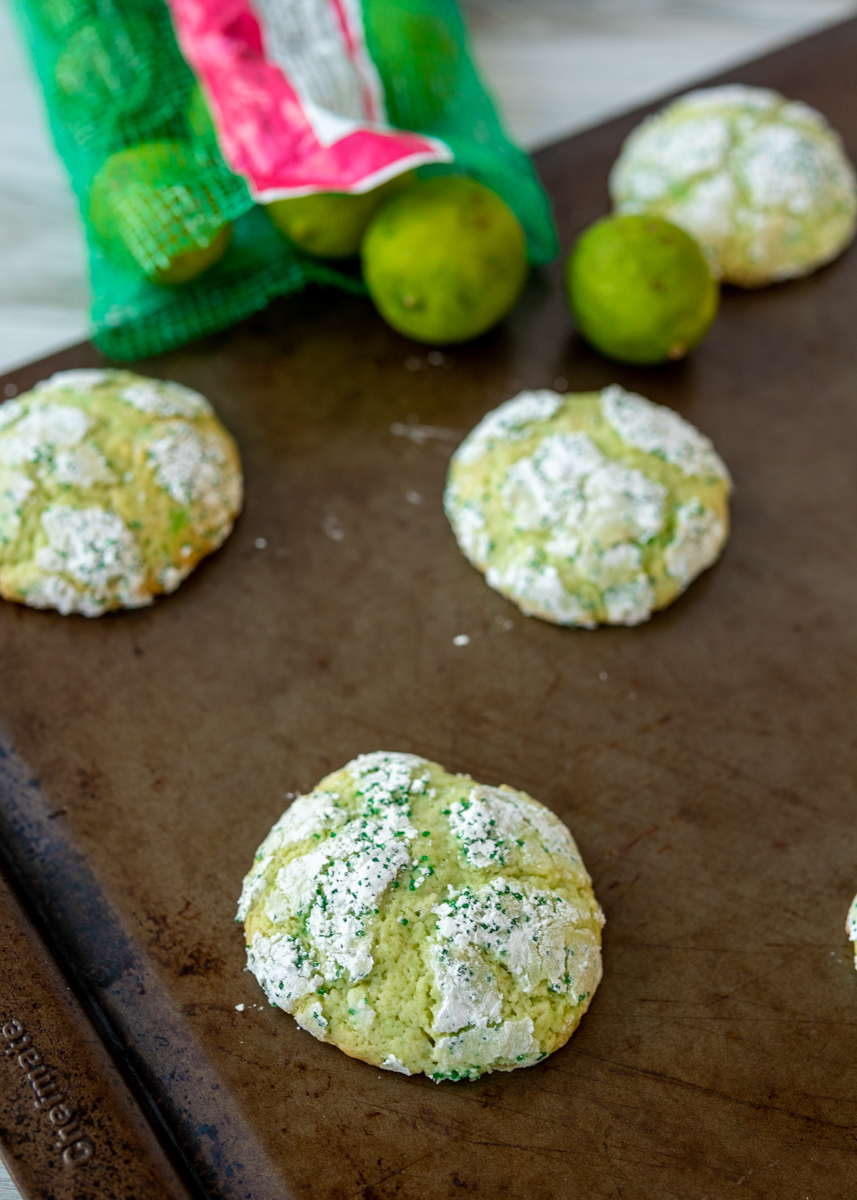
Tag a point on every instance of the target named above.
point(761, 182)
point(424, 922)
point(113, 486)
point(588, 509)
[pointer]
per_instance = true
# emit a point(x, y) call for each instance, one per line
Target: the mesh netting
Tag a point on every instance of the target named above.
point(133, 129)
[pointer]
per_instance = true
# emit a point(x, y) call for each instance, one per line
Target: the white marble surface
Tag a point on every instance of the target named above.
point(43, 284)
point(8, 1191)
point(556, 66)
point(563, 65)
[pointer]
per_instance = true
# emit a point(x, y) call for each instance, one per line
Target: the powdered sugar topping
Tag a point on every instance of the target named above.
point(533, 934)
point(493, 824)
point(851, 926)
point(335, 889)
point(189, 465)
point(510, 1043)
point(81, 379)
point(90, 558)
point(40, 432)
point(10, 411)
point(15, 487)
point(539, 590)
point(695, 543)
point(599, 512)
point(284, 969)
point(468, 519)
point(509, 422)
point(391, 1063)
point(658, 430)
point(163, 398)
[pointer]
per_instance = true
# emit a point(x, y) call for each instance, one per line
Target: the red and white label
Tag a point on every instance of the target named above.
point(295, 97)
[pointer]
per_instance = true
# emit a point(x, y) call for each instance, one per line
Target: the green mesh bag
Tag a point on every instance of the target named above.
point(172, 166)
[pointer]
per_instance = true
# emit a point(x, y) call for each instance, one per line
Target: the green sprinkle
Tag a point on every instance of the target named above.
point(404, 920)
point(426, 833)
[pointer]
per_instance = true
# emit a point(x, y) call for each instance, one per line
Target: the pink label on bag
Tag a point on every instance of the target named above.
point(296, 100)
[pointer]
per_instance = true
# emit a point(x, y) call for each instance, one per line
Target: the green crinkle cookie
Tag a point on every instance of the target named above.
point(588, 509)
point(424, 922)
point(113, 486)
point(761, 182)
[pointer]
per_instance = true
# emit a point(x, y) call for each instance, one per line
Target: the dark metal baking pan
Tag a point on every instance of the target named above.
point(705, 761)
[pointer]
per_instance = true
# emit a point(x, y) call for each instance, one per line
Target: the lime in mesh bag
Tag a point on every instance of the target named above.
point(285, 98)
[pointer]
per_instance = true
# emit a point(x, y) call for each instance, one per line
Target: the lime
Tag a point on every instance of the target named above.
point(110, 71)
point(151, 213)
point(100, 67)
point(186, 266)
point(640, 289)
point(445, 260)
point(331, 224)
point(59, 18)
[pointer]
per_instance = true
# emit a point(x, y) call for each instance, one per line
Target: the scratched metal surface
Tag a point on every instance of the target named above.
point(705, 761)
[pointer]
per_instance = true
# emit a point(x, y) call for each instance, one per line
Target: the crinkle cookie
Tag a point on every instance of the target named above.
point(424, 922)
point(113, 486)
point(586, 509)
point(761, 182)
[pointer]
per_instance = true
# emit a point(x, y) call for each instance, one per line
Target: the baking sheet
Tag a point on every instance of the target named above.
point(704, 761)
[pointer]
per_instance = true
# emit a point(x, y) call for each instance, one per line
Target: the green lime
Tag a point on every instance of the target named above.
point(153, 215)
point(110, 71)
point(332, 224)
point(90, 73)
point(640, 289)
point(445, 260)
point(186, 266)
point(60, 18)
